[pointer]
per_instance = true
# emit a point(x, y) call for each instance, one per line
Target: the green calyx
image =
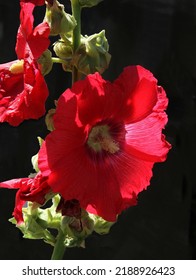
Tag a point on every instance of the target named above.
point(101, 226)
point(89, 3)
point(59, 21)
point(40, 223)
point(92, 54)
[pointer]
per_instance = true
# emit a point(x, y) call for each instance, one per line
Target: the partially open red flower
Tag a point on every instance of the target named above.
point(23, 90)
point(106, 140)
point(29, 189)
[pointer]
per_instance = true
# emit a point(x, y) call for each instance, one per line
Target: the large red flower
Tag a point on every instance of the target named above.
point(30, 189)
point(106, 140)
point(23, 90)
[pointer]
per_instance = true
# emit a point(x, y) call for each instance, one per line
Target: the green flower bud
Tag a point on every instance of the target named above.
point(89, 3)
point(45, 62)
point(101, 226)
point(63, 49)
point(77, 230)
point(92, 55)
point(58, 20)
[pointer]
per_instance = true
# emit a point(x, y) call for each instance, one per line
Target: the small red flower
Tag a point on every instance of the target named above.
point(106, 140)
point(30, 189)
point(23, 90)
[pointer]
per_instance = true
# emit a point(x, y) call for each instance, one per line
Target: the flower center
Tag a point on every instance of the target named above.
point(17, 67)
point(100, 139)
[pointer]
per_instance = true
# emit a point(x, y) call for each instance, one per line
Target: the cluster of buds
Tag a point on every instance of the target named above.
point(91, 54)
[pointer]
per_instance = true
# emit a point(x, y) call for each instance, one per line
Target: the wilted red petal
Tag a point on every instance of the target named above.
point(22, 96)
point(29, 189)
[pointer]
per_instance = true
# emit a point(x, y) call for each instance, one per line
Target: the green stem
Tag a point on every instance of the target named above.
point(59, 247)
point(57, 60)
point(76, 12)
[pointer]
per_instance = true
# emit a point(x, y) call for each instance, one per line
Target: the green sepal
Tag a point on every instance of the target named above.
point(31, 229)
point(34, 159)
point(101, 226)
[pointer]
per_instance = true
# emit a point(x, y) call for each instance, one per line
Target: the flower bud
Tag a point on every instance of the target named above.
point(89, 3)
point(45, 62)
point(63, 49)
point(58, 20)
point(77, 229)
point(92, 55)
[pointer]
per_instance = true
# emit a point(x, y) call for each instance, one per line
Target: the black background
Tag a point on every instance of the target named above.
point(161, 36)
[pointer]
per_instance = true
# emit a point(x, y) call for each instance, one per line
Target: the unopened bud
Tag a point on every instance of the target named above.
point(59, 21)
point(92, 55)
point(63, 49)
point(45, 62)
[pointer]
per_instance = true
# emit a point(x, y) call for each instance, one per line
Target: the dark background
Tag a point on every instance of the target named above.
point(161, 36)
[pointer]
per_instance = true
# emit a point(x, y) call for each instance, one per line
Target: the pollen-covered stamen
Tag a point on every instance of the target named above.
point(17, 67)
point(100, 139)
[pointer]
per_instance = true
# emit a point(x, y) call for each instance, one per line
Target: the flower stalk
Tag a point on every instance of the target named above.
point(59, 248)
point(76, 12)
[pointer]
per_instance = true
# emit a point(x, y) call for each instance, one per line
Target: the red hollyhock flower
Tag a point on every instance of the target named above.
point(30, 189)
point(23, 90)
point(106, 140)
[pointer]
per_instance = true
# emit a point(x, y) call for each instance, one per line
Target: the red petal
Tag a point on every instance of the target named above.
point(31, 42)
point(14, 183)
point(35, 2)
point(17, 213)
point(24, 99)
point(108, 187)
point(140, 92)
point(25, 28)
point(97, 99)
point(145, 137)
point(38, 42)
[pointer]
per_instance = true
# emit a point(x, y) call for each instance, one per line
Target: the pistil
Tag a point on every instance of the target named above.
point(100, 139)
